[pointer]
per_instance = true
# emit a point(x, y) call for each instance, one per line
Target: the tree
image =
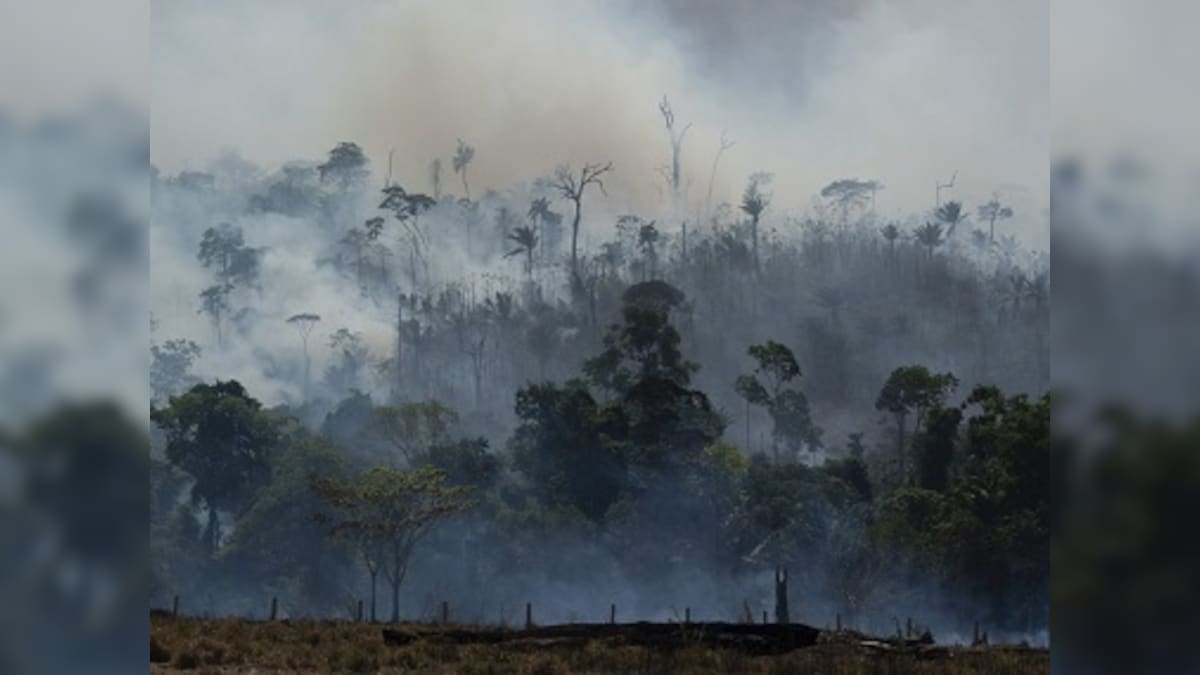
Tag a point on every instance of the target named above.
point(303, 323)
point(222, 438)
point(385, 513)
point(526, 240)
point(788, 407)
point(644, 346)
point(218, 246)
point(929, 235)
point(561, 445)
point(346, 166)
point(214, 301)
point(548, 223)
point(435, 177)
point(648, 240)
point(951, 213)
point(573, 188)
point(754, 202)
point(992, 211)
point(676, 138)
point(849, 194)
point(344, 373)
point(726, 144)
point(413, 428)
point(912, 390)
point(462, 159)
point(891, 233)
point(170, 367)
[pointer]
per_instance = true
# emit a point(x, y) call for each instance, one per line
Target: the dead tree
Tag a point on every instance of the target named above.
point(781, 599)
point(304, 324)
point(664, 107)
point(712, 177)
point(572, 187)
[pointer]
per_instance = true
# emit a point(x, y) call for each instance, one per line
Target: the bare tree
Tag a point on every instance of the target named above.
point(304, 323)
point(572, 187)
point(676, 137)
point(712, 177)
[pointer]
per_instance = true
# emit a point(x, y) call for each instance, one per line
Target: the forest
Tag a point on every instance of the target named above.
point(410, 395)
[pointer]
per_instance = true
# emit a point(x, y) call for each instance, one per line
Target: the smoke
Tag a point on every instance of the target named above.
point(809, 91)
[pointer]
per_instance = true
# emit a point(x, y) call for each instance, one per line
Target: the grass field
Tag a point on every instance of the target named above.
point(240, 646)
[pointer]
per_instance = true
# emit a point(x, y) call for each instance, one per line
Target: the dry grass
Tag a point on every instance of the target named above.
point(239, 646)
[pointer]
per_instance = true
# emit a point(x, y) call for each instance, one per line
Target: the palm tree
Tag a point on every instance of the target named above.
point(754, 202)
point(526, 240)
point(891, 233)
point(951, 213)
point(991, 212)
point(929, 235)
point(462, 157)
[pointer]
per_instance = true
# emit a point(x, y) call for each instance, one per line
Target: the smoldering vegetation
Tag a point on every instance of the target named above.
point(601, 352)
point(400, 328)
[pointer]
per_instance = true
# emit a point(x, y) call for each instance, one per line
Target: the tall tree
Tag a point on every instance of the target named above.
point(726, 144)
point(676, 137)
point(929, 235)
point(222, 438)
point(787, 405)
point(754, 202)
point(951, 213)
point(346, 166)
point(849, 194)
point(526, 241)
point(435, 177)
point(214, 301)
point(303, 323)
point(387, 512)
point(992, 211)
point(573, 187)
point(912, 391)
point(463, 155)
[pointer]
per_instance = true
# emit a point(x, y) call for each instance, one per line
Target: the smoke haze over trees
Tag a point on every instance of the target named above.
point(652, 397)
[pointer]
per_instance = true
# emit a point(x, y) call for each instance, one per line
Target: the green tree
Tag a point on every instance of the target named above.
point(385, 513)
point(788, 406)
point(526, 240)
point(346, 166)
point(911, 391)
point(223, 439)
point(754, 202)
point(644, 346)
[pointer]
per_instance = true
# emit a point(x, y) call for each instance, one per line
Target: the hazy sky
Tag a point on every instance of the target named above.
point(811, 91)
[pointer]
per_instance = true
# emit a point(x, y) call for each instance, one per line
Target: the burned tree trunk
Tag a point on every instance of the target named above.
point(781, 599)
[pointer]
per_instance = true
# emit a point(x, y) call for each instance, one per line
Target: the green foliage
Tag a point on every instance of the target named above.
point(346, 166)
point(223, 439)
point(385, 512)
point(645, 346)
point(788, 408)
point(566, 445)
point(412, 428)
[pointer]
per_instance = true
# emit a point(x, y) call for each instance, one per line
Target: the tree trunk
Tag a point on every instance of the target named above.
point(754, 240)
point(575, 245)
point(374, 577)
point(901, 420)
